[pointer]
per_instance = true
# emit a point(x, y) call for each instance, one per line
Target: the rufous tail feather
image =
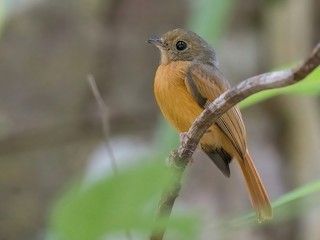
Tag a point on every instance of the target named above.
point(257, 192)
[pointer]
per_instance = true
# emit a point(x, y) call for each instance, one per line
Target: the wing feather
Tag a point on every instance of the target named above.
point(205, 83)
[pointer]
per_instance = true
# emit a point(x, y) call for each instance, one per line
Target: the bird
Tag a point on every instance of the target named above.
point(187, 80)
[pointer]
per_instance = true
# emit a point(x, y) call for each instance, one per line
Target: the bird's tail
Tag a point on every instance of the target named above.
point(257, 193)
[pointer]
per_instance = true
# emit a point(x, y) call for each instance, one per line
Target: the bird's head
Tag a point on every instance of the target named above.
point(183, 45)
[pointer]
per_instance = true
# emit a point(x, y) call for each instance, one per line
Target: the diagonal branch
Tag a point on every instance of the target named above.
point(218, 107)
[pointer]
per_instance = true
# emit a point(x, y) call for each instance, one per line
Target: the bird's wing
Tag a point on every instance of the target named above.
point(205, 83)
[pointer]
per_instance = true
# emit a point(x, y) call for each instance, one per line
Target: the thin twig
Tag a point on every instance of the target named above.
point(104, 113)
point(103, 110)
point(218, 107)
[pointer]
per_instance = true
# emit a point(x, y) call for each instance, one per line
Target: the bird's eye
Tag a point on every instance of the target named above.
point(181, 45)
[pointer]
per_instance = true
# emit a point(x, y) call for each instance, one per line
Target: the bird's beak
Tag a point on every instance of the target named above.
point(156, 41)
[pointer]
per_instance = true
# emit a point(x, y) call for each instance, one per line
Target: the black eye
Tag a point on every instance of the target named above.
point(181, 45)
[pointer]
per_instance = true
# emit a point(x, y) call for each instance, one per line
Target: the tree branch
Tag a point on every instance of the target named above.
point(223, 103)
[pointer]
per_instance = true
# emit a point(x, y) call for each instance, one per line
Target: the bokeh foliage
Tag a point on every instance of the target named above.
point(111, 205)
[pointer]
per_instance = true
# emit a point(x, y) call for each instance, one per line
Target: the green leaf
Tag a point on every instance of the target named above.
point(287, 206)
point(209, 17)
point(309, 86)
point(298, 194)
point(114, 204)
point(3, 14)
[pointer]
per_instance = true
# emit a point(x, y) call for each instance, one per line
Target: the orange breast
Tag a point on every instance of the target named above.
point(175, 102)
point(178, 106)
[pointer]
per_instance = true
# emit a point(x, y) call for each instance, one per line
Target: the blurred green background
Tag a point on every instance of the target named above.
point(56, 179)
